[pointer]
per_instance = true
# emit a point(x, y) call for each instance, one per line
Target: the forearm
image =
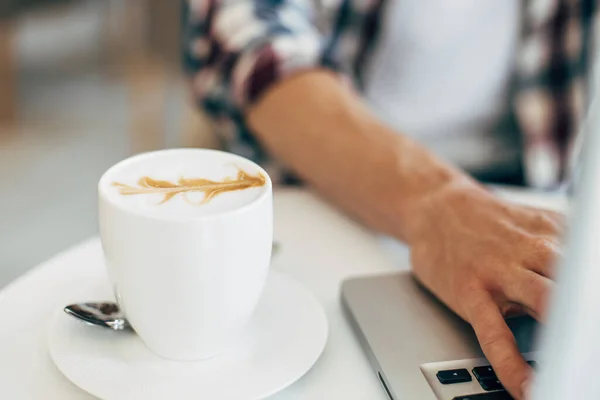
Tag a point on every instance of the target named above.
point(324, 132)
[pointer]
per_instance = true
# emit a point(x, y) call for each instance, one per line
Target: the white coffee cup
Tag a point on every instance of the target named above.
point(187, 275)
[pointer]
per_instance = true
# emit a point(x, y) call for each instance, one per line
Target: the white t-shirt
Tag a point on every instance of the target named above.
point(441, 74)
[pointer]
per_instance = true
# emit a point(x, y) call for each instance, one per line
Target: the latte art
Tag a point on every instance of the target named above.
point(210, 188)
point(180, 184)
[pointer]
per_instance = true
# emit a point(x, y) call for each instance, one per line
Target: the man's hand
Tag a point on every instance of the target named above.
point(486, 259)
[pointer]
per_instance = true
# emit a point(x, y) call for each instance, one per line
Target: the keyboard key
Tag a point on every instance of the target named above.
point(454, 376)
point(485, 372)
point(490, 384)
point(486, 396)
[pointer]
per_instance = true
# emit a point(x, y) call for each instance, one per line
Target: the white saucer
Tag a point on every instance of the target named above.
point(282, 342)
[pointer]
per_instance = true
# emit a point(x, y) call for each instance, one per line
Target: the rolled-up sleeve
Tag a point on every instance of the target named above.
point(237, 49)
point(234, 50)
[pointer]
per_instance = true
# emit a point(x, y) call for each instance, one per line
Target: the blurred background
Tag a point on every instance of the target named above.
point(83, 84)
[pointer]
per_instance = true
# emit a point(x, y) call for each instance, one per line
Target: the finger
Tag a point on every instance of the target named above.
point(529, 289)
point(541, 256)
point(499, 345)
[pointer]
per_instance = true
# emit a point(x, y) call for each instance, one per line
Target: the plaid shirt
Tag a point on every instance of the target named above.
point(234, 50)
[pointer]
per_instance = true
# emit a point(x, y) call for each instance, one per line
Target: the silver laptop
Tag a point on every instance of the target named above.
point(421, 350)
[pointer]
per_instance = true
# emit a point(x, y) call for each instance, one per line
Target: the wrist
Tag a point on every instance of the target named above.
point(418, 214)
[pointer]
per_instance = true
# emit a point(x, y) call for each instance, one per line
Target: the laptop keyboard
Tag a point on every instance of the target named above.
point(485, 376)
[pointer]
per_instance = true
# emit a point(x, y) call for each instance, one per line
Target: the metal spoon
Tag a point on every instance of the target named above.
point(108, 314)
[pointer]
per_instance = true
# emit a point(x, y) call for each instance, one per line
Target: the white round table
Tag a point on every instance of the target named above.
point(319, 247)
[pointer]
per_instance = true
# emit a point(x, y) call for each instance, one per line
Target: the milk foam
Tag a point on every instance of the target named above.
point(171, 165)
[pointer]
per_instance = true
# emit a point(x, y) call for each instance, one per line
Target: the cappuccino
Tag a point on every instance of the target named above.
point(181, 183)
